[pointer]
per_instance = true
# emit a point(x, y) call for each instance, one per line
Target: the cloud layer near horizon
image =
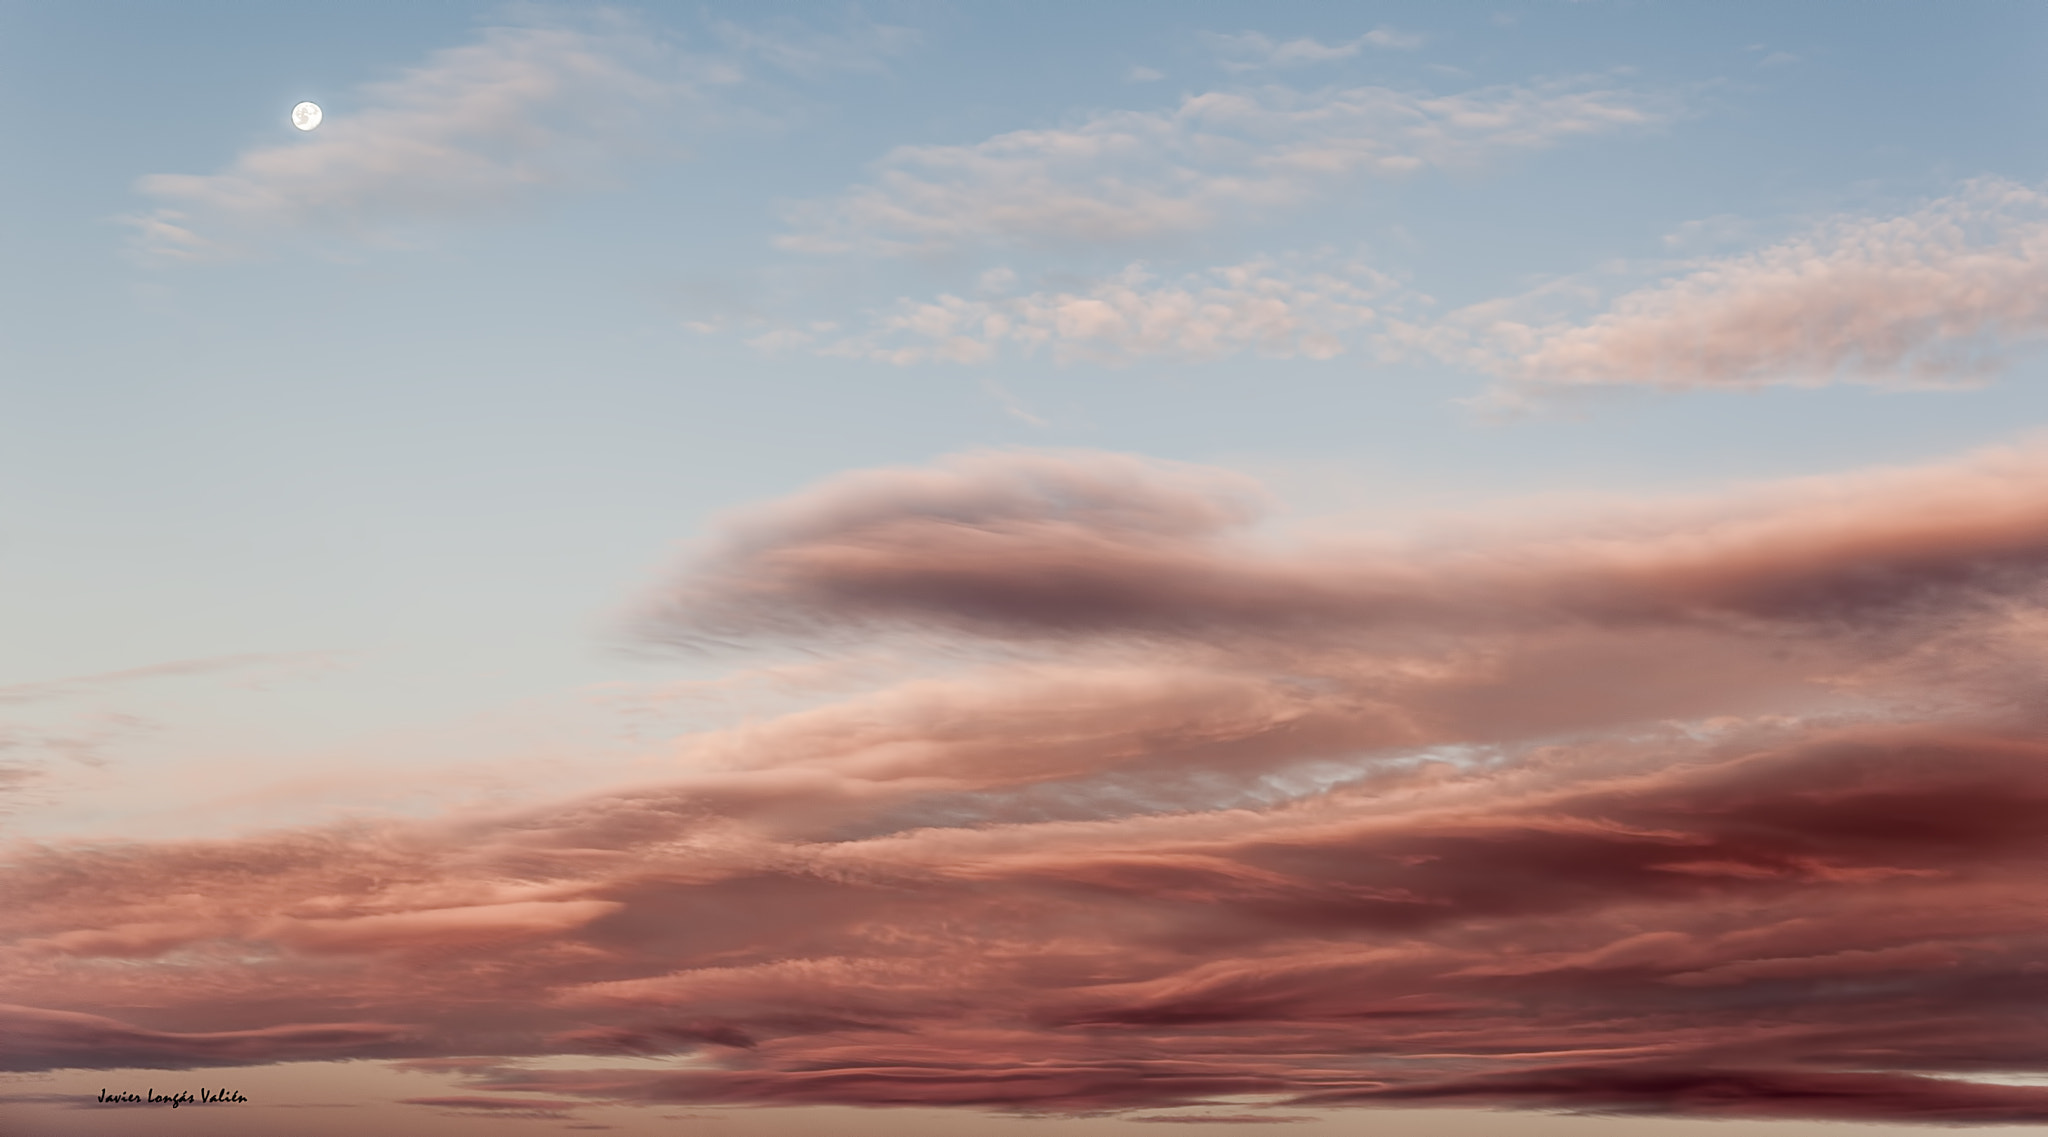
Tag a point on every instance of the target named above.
point(1727, 807)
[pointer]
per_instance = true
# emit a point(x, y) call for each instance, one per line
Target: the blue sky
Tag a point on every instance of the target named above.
point(452, 422)
point(340, 469)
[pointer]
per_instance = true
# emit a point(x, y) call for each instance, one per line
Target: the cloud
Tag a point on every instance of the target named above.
point(474, 128)
point(60, 735)
point(443, 927)
point(1733, 1093)
point(37, 1039)
point(476, 1105)
point(1016, 543)
point(1274, 310)
point(806, 52)
point(275, 664)
point(1251, 51)
point(1125, 177)
point(1718, 807)
point(1934, 297)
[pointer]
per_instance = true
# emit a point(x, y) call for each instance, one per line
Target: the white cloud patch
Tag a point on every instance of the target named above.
point(1931, 298)
point(1262, 306)
point(474, 127)
point(1251, 51)
point(1133, 176)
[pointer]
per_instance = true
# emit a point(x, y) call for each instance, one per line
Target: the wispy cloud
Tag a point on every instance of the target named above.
point(807, 52)
point(474, 1105)
point(262, 665)
point(1251, 51)
point(1273, 309)
point(1934, 297)
point(1134, 176)
point(473, 128)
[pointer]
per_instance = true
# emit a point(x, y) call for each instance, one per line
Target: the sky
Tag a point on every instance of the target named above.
point(936, 568)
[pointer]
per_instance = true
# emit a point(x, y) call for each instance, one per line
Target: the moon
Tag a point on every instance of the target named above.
point(306, 116)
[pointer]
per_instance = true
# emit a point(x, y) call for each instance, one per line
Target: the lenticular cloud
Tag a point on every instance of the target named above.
point(1727, 808)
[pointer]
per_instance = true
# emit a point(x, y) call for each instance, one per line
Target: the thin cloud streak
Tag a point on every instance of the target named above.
point(476, 127)
point(1251, 51)
point(1129, 177)
point(1275, 310)
point(285, 663)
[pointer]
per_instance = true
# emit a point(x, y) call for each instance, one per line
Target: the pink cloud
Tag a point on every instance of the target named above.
point(473, 924)
point(540, 1109)
point(1125, 177)
point(479, 125)
point(1934, 297)
point(35, 1038)
point(1277, 310)
point(1726, 807)
point(1731, 1094)
point(1021, 544)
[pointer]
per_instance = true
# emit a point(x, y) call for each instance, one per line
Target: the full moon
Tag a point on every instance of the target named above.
point(306, 116)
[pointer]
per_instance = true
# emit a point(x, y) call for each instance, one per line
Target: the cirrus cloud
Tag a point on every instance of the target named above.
point(1934, 297)
point(1249, 51)
point(1122, 177)
point(473, 128)
point(1274, 310)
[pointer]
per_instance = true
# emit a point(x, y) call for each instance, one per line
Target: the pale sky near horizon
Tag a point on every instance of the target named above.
point(889, 428)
